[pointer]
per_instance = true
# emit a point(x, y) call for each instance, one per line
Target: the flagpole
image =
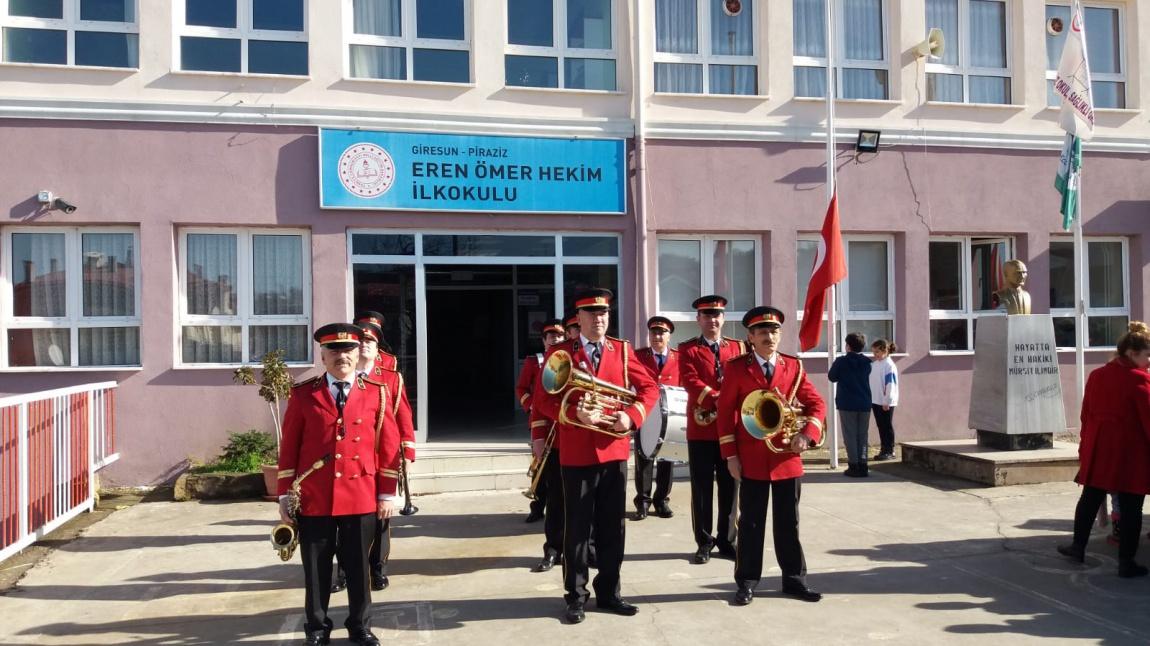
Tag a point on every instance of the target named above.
point(832, 412)
point(1079, 299)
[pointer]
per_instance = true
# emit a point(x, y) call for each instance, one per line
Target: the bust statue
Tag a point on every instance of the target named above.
point(1013, 298)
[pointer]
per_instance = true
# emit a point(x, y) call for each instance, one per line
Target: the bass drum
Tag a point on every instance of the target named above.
point(664, 432)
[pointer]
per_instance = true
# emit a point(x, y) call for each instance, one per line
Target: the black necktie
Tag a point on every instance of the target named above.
point(718, 364)
point(340, 395)
point(768, 370)
point(660, 359)
point(594, 356)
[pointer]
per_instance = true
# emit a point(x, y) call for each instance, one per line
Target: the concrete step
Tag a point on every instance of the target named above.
point(444, 467)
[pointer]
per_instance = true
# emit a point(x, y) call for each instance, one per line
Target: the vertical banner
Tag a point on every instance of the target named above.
point(363, 169)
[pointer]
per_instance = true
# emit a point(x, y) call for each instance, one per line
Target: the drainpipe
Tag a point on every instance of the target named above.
point(643, 283)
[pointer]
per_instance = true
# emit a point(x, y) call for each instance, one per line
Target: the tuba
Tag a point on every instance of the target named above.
point(284, 537)
point(594, 395)
point(768, 417)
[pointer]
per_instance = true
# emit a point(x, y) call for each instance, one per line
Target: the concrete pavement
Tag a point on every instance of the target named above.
point(902, 558)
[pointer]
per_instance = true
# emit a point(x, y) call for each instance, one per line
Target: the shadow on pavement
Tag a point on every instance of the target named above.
point(464, 526)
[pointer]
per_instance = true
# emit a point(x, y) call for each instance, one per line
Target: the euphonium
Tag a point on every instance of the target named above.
point(768, 417)
point(595, 395)
point(284, 536)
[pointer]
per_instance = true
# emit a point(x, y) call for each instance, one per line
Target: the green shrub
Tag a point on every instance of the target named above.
point(245, 452)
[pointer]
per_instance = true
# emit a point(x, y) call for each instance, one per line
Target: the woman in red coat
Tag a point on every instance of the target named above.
point(1114, 454)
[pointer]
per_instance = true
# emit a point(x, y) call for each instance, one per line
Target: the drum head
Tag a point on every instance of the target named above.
point(651, 434)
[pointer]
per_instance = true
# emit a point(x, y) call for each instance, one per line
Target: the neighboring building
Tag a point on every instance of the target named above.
point(188, 136)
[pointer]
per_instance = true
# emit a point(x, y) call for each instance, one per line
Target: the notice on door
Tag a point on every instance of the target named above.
point(364, 169)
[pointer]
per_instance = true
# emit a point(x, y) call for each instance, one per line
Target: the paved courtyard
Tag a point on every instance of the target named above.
point(903, 558)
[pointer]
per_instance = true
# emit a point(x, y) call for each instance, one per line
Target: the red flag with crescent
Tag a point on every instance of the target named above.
point(830, 267)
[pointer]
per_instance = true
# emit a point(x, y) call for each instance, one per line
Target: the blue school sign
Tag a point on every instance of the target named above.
point(363, 169)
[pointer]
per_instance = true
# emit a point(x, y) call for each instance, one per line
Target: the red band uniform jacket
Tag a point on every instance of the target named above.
point(669, 375)
point(619, 366)
point(359, 471)
point(385, 371)
point(1114, 453)
point(701, 381)
point(742, 376)
point(528, 381)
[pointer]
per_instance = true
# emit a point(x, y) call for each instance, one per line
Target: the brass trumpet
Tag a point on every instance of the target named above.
point(768, 417)
point(596, 396)
point(535, 471)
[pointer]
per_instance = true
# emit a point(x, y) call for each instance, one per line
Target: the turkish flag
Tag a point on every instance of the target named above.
point(830, 267)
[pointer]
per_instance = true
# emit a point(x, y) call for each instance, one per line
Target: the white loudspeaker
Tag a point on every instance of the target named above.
point(1054, 26)
point(933, 46)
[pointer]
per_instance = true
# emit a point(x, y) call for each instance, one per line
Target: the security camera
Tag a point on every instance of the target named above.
point(1054, 26)
point(63, 205)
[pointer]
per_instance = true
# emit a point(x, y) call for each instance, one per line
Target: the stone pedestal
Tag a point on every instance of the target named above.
point(1016, 392)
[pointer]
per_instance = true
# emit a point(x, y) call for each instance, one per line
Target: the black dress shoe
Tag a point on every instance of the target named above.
point(546, 563)
point(533, 517)
point(703, 555)
point(574, 613)
point(364, 639)
point(744, 596)
point(316, 639)
point(726, 551)
point(1073, 552)
point(663, 510)
point(619, 607)
point(339, 584)
point(641, 513)
point(379, 582)
point(802, 592)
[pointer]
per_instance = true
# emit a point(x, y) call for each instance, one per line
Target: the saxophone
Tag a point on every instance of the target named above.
point(284, 536)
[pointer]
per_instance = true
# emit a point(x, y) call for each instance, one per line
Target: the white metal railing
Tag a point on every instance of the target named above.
point(52, 443)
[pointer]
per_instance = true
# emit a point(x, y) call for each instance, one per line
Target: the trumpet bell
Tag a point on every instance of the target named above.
point(284, 539)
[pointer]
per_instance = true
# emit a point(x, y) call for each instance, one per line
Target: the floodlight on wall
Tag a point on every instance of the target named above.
point(867, 141)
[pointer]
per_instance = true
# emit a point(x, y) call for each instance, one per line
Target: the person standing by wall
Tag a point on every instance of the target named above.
point(853, 400)
point(663, 363)
point(551, 333)
point(1114, 453)
point(884, 395)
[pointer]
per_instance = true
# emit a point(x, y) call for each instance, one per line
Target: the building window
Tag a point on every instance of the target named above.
point(409, 40)
point(95, 33)
point(861, 61)
point(693, 266)
point(975, 68)
point(701, 48)
point(1105, 288)
point(244, 293)
point(560, 44)
point(1104, 48)
point(242, 36)
point(964, 274)
point(74, 298)
point(867, 293)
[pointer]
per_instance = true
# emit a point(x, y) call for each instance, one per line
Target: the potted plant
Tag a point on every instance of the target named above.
point(275, 384)
point(234, 474)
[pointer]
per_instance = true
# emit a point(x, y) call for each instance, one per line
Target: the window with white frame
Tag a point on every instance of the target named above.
point(861, 62)
point(95, 33)
point(1104, 48)
point(242, 36)
point(706, 47)
point(561, 44)
point(244, 293)
point(71, 297)
point(975, 66)
point(694, 266)
point(964, 273)
point(1106, 290)
point(408, 40)
point(866, 294)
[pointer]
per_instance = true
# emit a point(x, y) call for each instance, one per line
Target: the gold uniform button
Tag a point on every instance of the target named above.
point(352, 477)
point(355, 457)
point(339, 421)
point(338, 474)
point(338, 456)
point(359, 421)
point(356, 439)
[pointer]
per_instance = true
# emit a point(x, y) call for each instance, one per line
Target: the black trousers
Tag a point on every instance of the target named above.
point(553, 518)
point(884, 419)
point(753, 498)
point(1129, 523)
point(646, 471)
point(318, 544)
point(595, 500)
point(707, 468)
point(381, 548)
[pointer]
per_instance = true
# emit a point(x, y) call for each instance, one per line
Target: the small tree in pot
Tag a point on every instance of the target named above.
point(275, 384)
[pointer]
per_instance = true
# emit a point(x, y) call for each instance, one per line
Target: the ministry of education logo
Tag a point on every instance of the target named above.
point(366, 170)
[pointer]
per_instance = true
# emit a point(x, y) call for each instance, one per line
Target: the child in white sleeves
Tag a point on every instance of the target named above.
point(884, 395)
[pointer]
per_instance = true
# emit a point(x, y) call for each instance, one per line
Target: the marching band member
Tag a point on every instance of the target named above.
point(701, 368)
point(341, 416)
point(571, 326)
point(385, 359)
point(762, 472)
point(552, 333)
point(594, 463)
point(663, 362)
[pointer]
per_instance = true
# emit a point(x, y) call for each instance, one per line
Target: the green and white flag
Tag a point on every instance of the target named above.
point(1069, 176)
